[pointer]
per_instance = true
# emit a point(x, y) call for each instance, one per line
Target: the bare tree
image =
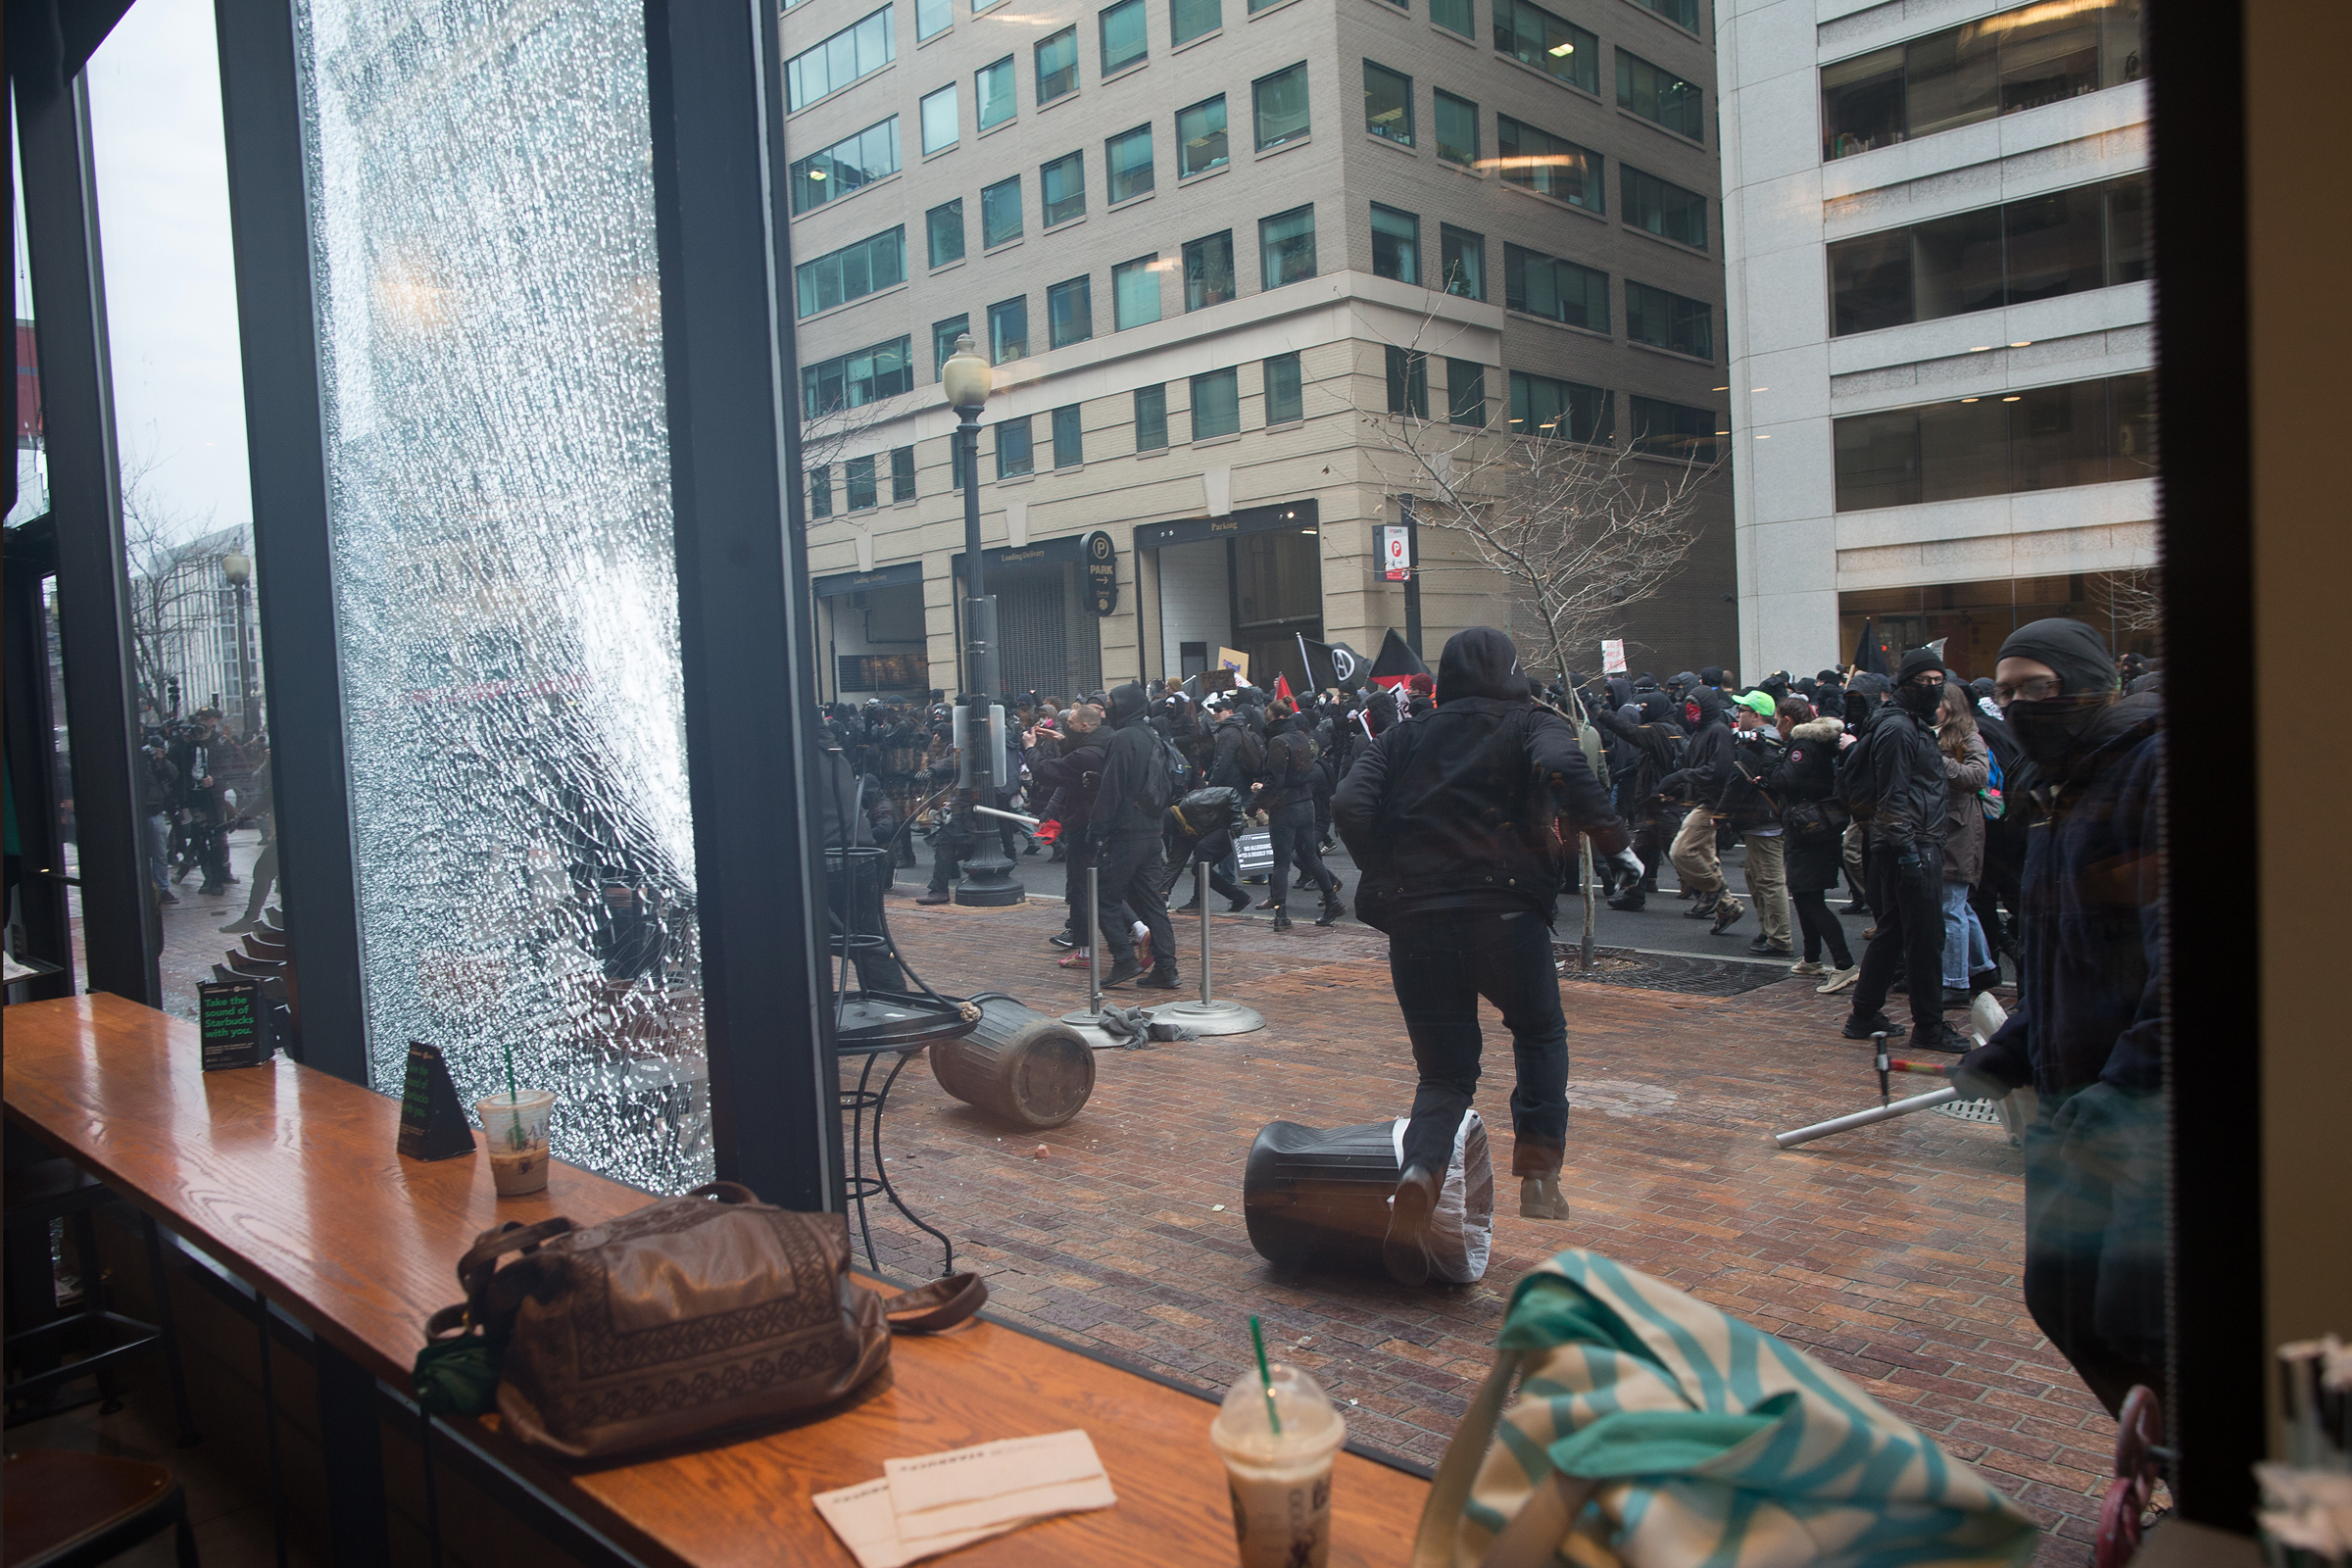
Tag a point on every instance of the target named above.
point(2134, 598)
point(157, 537)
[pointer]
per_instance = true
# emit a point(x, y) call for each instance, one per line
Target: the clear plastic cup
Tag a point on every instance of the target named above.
point(517, 1139)
point(1281, 1485)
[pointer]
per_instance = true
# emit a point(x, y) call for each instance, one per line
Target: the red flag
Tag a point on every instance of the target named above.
point(1282, 686)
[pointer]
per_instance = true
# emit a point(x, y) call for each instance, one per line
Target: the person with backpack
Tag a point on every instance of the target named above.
point(1137, 784)
point(1285, 791)
point(1813, 821)
point(1451, 818)
point(1656, 741)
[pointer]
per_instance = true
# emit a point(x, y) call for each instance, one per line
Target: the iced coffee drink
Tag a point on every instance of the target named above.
point(1281, 1482)
point(517, 1129)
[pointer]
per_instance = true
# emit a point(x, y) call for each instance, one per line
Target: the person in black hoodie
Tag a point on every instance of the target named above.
point(1451, 818)
point(1813, 821)
point(1286, 792)
point(1124, 839)
point(1705, 766)
point(1656, 743)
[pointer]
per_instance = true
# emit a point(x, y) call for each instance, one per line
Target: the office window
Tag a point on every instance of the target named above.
point(1994, 66)
point(1279, 104)
point(1655, 93)
point(1057, 65)
point(1191, 19)
point(1662, 208)
point(1555, 289)
point(1395, 244)
point(2042, 438)
point(848, 164)
point(1387, 104)
point(1683, 14)
point(1669, 321)
point(1216, 404)
point(1567, 410)
point(941, 125)
point(1001, 213)
point(1553, 45)
point(932, 18)
point(1069, 313)
point(1013, 454)
point(943, 231)
point(1286, 394)
point(1463, 255)
point(857, 484)
point(820, 491)
point(1285, 247)
point(994, 94)
point(1664, 429)
point(1208, 271)
point(854, 379)
point(1150, 419)
point(1126, 35)
point(1547, 165)
point(1135, 293)
point(1008, 330)
point(1070, 438)
point(1466, 392)
point(1061, 187)
point(1457, 129)
point(863, 47)
point(902, 473)
point(1408, 382)
point(1201, 137)
point(1455, 16)
point(854, 272)
point(943, 341)
point(1128, 158)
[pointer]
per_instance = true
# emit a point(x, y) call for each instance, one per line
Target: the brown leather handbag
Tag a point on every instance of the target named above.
point(680, 1322)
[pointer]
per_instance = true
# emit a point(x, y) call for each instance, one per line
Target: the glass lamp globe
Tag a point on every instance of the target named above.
point(966, 376)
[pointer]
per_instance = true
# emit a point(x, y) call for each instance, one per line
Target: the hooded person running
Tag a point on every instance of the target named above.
point(1451, 815)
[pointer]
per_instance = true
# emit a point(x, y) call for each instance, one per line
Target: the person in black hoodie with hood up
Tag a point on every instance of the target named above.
point(1451, 818)
point(1124, 841)
point(1655, 743)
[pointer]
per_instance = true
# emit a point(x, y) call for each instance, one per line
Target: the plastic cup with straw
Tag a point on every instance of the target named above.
point(1279, 1472)
point(1265, 1374)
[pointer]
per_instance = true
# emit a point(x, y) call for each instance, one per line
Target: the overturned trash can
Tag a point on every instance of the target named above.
point(1320, 1195)
point(1017, 1064)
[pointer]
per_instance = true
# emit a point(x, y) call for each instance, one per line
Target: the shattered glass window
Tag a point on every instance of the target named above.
point(482, 240)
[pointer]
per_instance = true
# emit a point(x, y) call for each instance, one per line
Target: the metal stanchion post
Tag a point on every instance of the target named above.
point(1208, 1017)
point(1200, 898)
point(1090, 1021)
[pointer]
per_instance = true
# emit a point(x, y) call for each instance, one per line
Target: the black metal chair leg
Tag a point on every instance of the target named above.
point(93, 1306)
point(882, 1169)
point(857, 1182)
point(277, 1475)
point(167, 1329)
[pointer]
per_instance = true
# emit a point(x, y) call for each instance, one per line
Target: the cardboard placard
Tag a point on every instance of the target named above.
point(1219, 680)
point(432, 1119)
point(1612, 656)
point(235, 1019)
point(1235, 659)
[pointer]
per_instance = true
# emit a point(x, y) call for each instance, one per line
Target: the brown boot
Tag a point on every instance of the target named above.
point(1540, 1198)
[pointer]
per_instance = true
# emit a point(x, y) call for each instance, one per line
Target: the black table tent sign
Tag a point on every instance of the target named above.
point(233, 1018)
point(432, 1120)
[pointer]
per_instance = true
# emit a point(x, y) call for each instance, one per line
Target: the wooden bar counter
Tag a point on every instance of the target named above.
point(288, 1178)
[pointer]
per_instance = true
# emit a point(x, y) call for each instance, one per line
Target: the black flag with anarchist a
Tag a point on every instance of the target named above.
point(1332, 665)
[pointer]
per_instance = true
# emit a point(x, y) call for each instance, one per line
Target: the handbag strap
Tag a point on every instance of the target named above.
point(1450, 1487)
point(725, 1192)
point(941, 1305)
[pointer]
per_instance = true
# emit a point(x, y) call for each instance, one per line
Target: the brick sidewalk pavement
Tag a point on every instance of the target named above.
point(1892, 1253)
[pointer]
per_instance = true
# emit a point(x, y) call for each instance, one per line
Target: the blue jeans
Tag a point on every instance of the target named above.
point(1440, 968)
point(1965, 950)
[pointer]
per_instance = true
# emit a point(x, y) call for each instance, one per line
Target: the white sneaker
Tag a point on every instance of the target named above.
point(1805, 966)
point(1838, 981)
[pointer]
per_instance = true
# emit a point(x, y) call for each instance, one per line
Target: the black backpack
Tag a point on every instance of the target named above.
point(1857, 787)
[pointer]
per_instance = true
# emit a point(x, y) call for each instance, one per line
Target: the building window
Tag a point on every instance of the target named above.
point(1208, 271)
point(943, 341)
point(1150, 419)
point(1216, 404)
point(1567, 410)
point(943, 228)
point(1666, 321)
point(1395, 244)
point(1069, 437)
point(1553, 45)
point(856, 50)
point(1285, 247)
point(1057, 65)
point(1135, 293)
point(1457, 129)
point(1062, 186)
point(851, 272)
point(1387, 104)
point(1466, 392)
point(1128, 158)
point(1201, 137)
point(2044, 438)
point(1279, 104)
point(1547, 165)
point(1683, 14)
point(2065, 242)
point(1192, 19)
point(932, 18)
point(820, 491)
point(1069, 313)
point(942, 128)
point(1126, 35)
point(1994, 66)
point(1663, 209)
point(1455, 16)
point(995, 95)
point(1664, 429)
point(849, 164)
point(1286, 393)
point(1008, 330)
point(1463, 255)
point(1408, 382)
point(854, 379)
point(1013, 454)
point(857, 484)
point(1001, 213)
point(902, 473)
point(1554, 289)
point(1658, 94)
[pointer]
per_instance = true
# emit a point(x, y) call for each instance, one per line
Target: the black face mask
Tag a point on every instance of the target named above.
point(1921, 701)
point(2051, 731)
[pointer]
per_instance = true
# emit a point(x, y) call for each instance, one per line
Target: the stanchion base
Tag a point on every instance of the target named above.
point(1219, 1017)
point(1088, 1029)
point(990, 898)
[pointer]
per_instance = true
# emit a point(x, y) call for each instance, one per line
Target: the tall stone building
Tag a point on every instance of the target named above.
point(1216, 250)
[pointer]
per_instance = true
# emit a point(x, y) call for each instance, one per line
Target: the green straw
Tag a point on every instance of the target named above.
point(514, 1123)
point(1258, 1337)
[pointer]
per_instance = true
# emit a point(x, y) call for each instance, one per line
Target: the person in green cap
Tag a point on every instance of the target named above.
point(1757, 816)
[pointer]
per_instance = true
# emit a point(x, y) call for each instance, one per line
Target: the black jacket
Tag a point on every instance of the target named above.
point(1229, 767)
point(1135, 770)
point(1907, 786)
point(1288, 772)
point(1656, 747)
point(1452, 812)
point(1706, 766)
point(1072, 799)
point(1806, 770)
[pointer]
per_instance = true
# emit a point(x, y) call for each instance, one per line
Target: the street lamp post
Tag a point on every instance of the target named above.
point(238, 567)
point(966, 380)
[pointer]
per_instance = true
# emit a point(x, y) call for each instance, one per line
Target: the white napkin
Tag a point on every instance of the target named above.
point(922, 1508)
point(861, 1516)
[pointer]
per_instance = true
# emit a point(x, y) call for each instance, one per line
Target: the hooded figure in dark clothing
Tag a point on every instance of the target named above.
point(1655, 741)
point(1452, 816)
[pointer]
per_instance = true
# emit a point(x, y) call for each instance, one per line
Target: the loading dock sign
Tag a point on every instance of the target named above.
point(1101, 573)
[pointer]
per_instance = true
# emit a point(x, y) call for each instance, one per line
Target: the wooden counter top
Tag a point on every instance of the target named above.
point(289, 1179)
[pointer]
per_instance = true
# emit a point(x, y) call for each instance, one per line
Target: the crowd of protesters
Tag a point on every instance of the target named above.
point(198, 782)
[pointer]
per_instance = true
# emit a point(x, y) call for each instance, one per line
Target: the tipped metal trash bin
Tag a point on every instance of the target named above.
point(1018, 1065)
point(1320, 1196)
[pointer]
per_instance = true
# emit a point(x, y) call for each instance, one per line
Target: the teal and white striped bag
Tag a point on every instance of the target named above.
point(1653, 1430)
